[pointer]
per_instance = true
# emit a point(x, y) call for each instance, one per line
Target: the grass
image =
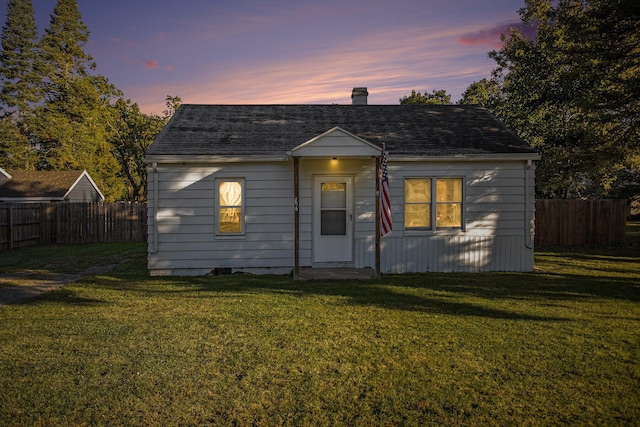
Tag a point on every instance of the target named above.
point(633, 234)
point(556, 346)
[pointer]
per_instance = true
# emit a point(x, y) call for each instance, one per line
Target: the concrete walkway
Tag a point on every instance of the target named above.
point(20, 287)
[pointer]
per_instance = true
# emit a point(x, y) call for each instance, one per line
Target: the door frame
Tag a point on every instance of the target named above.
point(341, 247)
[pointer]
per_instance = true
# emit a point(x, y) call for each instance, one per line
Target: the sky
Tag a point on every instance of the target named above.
point(289, 51)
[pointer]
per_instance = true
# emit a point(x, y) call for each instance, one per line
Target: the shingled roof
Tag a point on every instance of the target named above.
point(409, 130)
point(49, 185)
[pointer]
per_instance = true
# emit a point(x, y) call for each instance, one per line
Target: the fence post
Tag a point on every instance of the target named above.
point(10, 225)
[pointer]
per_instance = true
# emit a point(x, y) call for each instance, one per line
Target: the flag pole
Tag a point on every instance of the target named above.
point(378, 217)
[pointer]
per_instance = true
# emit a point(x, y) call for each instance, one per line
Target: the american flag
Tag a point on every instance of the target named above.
point(385, 200)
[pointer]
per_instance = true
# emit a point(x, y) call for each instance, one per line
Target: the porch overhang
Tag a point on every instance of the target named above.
point(336, 143)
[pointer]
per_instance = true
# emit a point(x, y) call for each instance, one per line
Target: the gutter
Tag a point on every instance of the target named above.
point(464, 157)
point(154, 246)
point(184, 159)
point(527, 206)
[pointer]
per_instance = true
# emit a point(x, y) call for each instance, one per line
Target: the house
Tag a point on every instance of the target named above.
point(22, 186)
point(275, 188)
point(4, 176)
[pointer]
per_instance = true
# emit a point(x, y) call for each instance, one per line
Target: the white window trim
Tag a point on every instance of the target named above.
point(218, 234)
point(433, 229)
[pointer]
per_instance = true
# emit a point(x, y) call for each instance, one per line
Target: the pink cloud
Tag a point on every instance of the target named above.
point(169, 68)
point(151, 65)
point(398, 63)
point(489, 37)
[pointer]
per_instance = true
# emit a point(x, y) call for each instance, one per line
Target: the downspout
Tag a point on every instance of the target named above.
point(296, 216)
point(154, 246)
point(527, 205)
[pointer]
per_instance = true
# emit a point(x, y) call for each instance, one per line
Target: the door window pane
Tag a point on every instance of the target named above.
point(333, 195)
point(333, 223)
point(333, 209)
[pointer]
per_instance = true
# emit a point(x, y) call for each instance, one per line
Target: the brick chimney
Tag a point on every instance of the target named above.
point(359, 96)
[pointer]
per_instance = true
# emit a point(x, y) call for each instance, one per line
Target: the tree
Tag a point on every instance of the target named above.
point(172, 103)
point(133, 133)
point(72, 125)
point(486, 92)
point(20, 83)
point(20, 80)
point(436, 97)
point(15, 149)
point(572, 91)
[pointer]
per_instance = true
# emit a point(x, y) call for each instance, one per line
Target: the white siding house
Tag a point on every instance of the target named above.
point(275, 188)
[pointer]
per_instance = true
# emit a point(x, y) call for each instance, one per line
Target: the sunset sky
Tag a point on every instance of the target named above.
point(289, 51)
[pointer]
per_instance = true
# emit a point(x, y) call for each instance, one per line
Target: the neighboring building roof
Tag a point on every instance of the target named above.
point(43, 185)
point(407, 130)
point(4, 175)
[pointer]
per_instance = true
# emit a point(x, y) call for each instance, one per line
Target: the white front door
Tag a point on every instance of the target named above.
point(333, 219)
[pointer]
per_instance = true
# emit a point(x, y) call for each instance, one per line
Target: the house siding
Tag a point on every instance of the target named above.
point(495, 217)
point(496, 237)
point(83, 191)
point(187, 243)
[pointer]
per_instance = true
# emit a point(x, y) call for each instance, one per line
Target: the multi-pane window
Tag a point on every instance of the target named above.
point(432, 203)
point(230, 206)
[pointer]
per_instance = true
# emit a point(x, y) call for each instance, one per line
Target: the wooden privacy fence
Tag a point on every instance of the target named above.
point(581, 222)
point(558, 222)
point(28, 224)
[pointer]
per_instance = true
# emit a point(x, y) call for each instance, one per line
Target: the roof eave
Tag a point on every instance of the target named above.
point(187, 159)
point(463, 157)
point(184, 159)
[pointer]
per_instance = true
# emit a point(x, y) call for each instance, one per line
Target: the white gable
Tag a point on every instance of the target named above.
point(4, 176)
point(336, 142)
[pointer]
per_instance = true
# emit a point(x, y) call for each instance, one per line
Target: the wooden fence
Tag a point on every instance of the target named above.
point(581, 222)
point(28, 224)
point(558, 222)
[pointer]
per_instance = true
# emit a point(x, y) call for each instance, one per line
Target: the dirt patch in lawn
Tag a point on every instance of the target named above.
point(18, 287)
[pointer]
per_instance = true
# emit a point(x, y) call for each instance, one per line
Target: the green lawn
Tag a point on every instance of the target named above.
point(560, 345)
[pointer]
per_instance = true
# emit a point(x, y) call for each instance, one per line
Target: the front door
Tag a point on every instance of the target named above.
point(333, 219)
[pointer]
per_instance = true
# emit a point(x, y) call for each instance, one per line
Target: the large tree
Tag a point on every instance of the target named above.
point(573, 92)
point(19, 92)
point(19, 78)
point(133, 132)
point(73, 123)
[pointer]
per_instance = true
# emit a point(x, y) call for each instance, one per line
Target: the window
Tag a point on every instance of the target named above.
point(333, 209)
point(429, 200)
point(230, 207)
